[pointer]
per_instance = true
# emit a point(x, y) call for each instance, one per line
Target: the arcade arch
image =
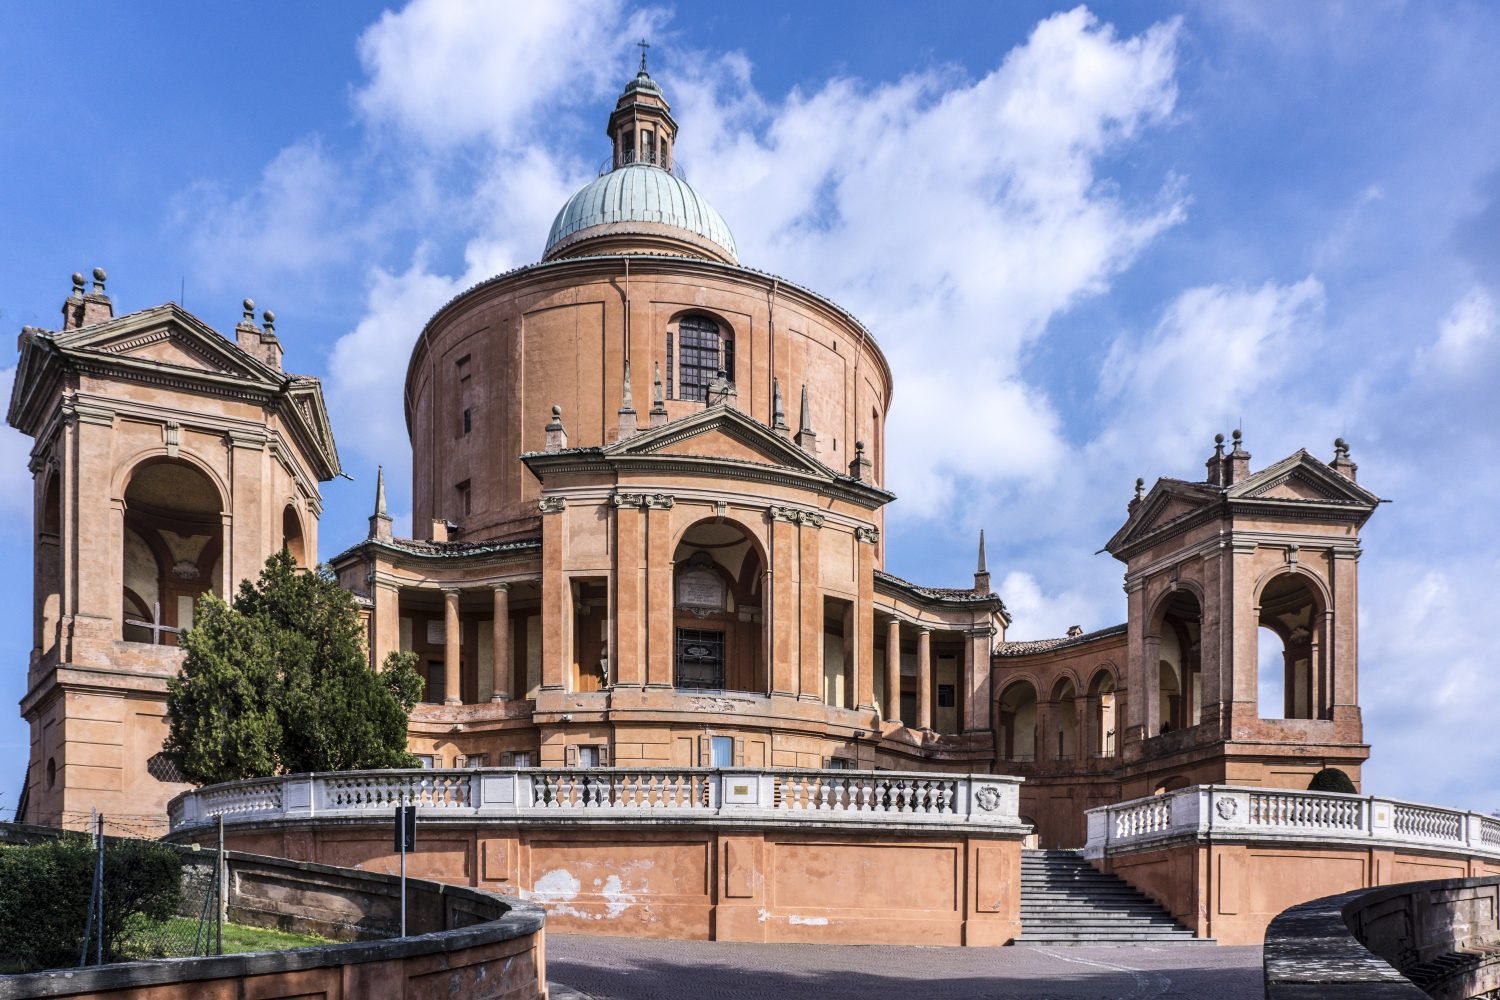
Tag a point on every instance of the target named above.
point(1063, 739)
point(1102, 712)
point(718, 638)
point(1178, 676)
point(1017, 722)
point(291, 535)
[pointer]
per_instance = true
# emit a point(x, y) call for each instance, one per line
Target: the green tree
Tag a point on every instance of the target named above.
point(279, 683)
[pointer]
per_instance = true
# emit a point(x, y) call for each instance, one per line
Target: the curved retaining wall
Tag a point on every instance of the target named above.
point(1427, 939)
point(461, 942)
point(1226, 860)
point(734, 855)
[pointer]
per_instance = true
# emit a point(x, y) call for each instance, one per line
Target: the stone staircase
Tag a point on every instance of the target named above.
point(1065, 901)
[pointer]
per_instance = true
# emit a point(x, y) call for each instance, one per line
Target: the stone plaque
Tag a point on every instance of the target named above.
point(700, 588)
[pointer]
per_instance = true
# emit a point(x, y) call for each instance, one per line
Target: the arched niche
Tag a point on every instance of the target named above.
point(717, 608)
point(172, 549)
point(1103, 712)
point(1063, 738)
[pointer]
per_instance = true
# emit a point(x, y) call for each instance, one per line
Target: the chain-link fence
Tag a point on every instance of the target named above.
point(72, 898)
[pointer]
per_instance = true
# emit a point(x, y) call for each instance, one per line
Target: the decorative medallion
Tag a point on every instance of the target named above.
point(988, 798)
point(1226, 808)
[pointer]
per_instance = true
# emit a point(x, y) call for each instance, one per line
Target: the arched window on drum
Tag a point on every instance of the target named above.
point(696, 352)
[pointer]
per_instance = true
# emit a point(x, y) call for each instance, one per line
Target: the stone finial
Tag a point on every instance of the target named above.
point(721, 391)
point(1140, 492)
point(380, 521)
point(628, 425)
point(1342, 463)
point(1237, 462)
point(861, 467)
point(658, 404)
point(87, 308)
point(248, 316)
point(807, 438)
point(1215, 464)
point(269, 319)
point(981, 570)
point(778, 411)
point(557, 435)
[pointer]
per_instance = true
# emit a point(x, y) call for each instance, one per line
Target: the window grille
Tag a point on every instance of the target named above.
point(698, 360)
point(670, 380)
point(700, 658)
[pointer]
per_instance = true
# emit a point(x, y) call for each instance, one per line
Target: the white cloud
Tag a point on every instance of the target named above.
point(1038, 614)
point(1466, 334)
point(455, 71)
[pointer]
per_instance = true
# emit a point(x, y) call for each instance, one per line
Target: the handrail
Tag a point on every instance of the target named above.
point(1231, 812)
point(600, 794)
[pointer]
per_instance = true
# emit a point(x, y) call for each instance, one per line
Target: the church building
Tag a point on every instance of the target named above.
point(649, 492)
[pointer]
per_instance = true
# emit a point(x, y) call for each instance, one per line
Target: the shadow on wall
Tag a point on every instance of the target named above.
point(630, 969)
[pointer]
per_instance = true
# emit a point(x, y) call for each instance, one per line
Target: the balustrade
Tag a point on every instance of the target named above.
point(861, 797)
point(1218, 811)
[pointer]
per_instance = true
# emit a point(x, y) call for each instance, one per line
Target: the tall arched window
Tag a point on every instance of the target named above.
point(701, 352)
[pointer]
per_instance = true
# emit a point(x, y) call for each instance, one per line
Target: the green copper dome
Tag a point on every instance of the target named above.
point(641, 195)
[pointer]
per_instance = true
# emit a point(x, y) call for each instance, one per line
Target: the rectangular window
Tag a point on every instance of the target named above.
point(728, 352)
point(468, 420)
point(698, 358)
point(721, 751)
point(946, 696)
point(838, 764)
point(700, 658)
point(588, 756)
point(521, 758)
point(465, 387)
point(426, 760)
point(436, 689)
point(473, 760)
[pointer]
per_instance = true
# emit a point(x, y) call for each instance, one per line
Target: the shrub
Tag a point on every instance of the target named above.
point(44, 896)
point(1331, 779)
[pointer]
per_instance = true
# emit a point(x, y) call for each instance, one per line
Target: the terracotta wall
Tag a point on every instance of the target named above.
point(1232, 891)
point(704, 882)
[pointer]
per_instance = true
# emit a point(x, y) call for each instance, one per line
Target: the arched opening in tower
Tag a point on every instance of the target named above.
point(1292, 679)
point(1179, 674)
point(291, 536)
point(173, 550)
point(1017, 722)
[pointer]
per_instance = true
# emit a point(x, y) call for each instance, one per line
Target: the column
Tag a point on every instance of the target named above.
point(977, 680)
point(386, 634)
point(630, 620)
point(451, 680)
point(924, 678)
point(1150, 706)
point(893, 670)
point(782, 632)
point(661, 633)
point(556, 600)
point(810, 610)
point(864, 628)
point(500, 651)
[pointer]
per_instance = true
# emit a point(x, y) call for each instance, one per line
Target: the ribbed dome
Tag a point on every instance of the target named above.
point(639, 193)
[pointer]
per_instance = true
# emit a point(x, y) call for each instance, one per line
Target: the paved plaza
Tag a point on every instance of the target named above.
point(618, 968)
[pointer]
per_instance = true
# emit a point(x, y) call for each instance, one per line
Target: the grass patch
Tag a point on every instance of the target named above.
point(175, 937)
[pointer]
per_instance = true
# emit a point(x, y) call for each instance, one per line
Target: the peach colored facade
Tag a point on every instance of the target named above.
point(648, 488)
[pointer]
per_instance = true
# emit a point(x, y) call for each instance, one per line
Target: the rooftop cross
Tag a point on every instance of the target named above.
point(643, 45)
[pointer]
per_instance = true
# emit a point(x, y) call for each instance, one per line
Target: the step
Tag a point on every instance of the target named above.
point(1066, 901)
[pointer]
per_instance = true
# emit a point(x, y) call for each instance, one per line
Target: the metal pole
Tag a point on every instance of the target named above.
point(221, 877)
point(99, 878)
point(88, 926)
point(403, 866)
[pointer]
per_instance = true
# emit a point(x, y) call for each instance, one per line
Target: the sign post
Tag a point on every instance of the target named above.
point(406, 841)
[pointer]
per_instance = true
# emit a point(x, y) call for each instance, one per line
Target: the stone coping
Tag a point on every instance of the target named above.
point(1281, 815)
point(1313, 952)
point(512, 918)
point(904, 801)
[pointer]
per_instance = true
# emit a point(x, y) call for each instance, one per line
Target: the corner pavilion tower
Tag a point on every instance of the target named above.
point(648, 487)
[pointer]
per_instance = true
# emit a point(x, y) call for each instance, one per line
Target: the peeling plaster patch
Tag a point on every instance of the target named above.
point(557, 886)
point(761, 915)
point(617, 900)
point(807, 921)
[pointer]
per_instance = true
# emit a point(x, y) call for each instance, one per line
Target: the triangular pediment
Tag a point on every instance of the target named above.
point(1301, 477)
point(1169, 501)
point(720, 433)
point(167, 335)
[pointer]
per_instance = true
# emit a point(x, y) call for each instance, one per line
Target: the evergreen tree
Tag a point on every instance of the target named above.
point(279, 684)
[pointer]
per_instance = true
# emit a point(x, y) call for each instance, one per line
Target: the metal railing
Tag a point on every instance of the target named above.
point(1277, 814)
point(840, 797)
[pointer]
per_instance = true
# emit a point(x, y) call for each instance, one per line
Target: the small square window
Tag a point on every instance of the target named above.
point(427, 761)
point(588, 756)
point(947, 696)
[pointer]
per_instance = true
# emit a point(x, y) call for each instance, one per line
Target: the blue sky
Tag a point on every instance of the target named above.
point(1087, 238)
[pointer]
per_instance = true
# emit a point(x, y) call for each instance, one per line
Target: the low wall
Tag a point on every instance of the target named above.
point(1430, 939)
point(847, 857)
point(462, 942)
point(1226, 861)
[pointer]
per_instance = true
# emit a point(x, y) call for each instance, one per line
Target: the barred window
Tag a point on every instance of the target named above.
point(699, 357)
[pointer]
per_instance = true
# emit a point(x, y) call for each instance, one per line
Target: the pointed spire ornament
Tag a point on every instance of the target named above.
point(981, 572)
point(628, 425)
point(807, 438)
point(658, 405)
point(778, 410)
point(380, 521)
